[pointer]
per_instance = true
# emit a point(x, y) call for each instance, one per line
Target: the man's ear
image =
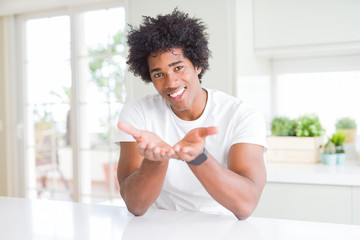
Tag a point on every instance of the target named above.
point(198, 70)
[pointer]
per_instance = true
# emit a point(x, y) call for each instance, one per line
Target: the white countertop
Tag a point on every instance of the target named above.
point(303, 173)
point(43, 219)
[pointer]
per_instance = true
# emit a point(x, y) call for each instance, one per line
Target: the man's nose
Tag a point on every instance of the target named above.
point(171, 80)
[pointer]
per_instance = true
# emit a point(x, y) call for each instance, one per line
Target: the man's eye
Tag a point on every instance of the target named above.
point(157, 75)
point(178, 68)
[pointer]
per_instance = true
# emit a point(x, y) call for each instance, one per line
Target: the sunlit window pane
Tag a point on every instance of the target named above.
point(104, 30)
point(48, 38)
point(48, 68)
point(96, 29)
point(116, 20)
point(49, 81)
point(331, 95)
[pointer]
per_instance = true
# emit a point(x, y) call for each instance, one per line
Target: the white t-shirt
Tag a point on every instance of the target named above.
point(236, 121)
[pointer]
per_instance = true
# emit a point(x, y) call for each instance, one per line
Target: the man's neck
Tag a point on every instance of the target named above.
point(196, 110)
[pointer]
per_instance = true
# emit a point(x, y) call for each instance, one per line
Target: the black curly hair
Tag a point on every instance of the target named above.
point(163, 33)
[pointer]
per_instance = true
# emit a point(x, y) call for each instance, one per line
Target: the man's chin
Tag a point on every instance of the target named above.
point(177, 108)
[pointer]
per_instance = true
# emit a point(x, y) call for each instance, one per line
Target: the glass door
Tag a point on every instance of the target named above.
point(73, 92)
point(47, 106)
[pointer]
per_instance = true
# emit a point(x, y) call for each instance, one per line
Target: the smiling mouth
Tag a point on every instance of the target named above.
point(178, 93)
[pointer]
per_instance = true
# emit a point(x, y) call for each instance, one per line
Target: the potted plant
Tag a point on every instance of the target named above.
point(329, 156)
point(338, 140)
point(295, 140)
point(283, 126)
point(347, 126)
point(308, 126)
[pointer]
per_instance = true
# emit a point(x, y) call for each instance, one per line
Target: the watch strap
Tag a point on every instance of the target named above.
point(199, 159)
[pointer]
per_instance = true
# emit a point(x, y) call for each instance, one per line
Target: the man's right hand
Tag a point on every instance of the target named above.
point(149, 145)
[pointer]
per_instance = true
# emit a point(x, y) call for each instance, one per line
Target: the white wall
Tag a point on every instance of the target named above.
point(252, 72)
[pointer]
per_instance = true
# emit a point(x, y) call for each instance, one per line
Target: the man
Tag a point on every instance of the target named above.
point(186, 148)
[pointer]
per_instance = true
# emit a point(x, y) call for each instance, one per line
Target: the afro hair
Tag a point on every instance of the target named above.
point(163, 33)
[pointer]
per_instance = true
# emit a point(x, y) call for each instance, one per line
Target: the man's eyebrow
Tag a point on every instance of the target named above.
point(175, 63)
point(170, 65)
point(155, 70)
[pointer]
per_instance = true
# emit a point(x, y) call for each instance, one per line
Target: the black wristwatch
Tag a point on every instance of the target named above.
point(199, 159)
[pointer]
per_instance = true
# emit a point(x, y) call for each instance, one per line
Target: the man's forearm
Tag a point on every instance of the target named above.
point(235, 192)
point(141, 188)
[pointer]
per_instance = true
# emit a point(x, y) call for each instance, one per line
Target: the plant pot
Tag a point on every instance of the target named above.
point(329, 159)
point(294, 149)
point(340, 158)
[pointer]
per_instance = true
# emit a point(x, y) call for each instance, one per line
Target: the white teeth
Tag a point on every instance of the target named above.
point(177, 93)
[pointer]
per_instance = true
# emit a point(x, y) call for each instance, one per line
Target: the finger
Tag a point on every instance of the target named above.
point(141, 148)
point(129, 129)
point(156, 153)
point(178, 151)
point(165, 156)
point(176, 147)
point(160, 154)
point(183, 156)
point(151, 145)
point(148, 151)
point(204, 132)
point(170, 152)
point(190, 151)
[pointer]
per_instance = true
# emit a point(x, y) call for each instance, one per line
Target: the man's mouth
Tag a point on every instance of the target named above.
point(178, 93)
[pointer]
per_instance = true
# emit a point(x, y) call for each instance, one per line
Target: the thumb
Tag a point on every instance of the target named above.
point(129, 129)
point(207, 131)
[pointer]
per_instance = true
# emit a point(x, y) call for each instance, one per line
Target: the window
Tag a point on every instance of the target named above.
point(331, 95)
point(328, 87)
point(73, 89)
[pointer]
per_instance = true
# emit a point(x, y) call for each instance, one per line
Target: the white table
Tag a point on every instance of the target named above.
point(24, 219)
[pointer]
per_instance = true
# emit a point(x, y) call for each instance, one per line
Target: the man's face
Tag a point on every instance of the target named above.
point(176, 80)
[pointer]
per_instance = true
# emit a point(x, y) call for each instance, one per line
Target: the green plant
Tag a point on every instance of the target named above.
point(308, 126)
point(283, 126)
point(338, 139)
point(345, 123)
point(329, 148)
point(107, 73)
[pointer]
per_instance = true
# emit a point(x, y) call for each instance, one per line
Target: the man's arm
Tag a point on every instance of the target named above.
point(141, 169)
point(140, 179)
point(238, 187)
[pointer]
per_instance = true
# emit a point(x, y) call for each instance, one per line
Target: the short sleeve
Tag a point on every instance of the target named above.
point(249, 127)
